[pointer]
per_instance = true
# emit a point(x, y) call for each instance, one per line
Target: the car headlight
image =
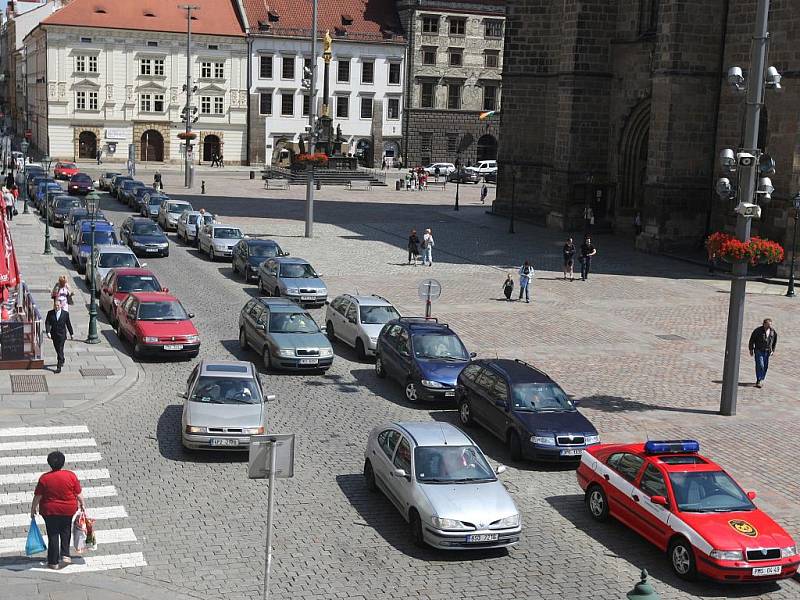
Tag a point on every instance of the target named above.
point(431, 384)
point(441, 523)
point(512, 521)
point(726, 554)
point(788, 551)
point(286, 353)
point(373, 340)
point(149, 339)
point(326, 352)
point(592, 439)
point(253, 430)
point(163, 244)
point(193, 429)
point(292, 290)
point(543, 440)
point(192, 339)
point(138, 244)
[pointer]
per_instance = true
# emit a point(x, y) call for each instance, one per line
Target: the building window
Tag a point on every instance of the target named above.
point(366, 107)
point(306, 67)
point(394, 73)
point(151, 66)
point(452, 143)
point(265, 67)
point(456, 57)
point(209, 69)
point(491, 59)
point(458, 26)
point(490, 97)
point(219, 105)
point(85, 64)
point(493, 29)
point(648, 17)
point(343, 70)
point(151, 103)
point(85, 100)
point(306, 104)
point(427, 95)
point(430, 24)
point(287, 104)
point(158, 66)
point(265, 103)
point(453, 96)
point(393, 109)
point(205, 105)
point(368, 72)
point(425, 140)
point(86, 40)
point(219, 70)
point(342, 107)
point(429, 55)
point(287, 67)
point(152, 44)
point(213, 46)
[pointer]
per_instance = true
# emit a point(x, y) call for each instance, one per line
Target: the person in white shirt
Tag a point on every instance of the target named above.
point(427, 248)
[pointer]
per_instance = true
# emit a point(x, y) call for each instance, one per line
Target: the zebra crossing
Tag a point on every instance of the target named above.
point(23, 458)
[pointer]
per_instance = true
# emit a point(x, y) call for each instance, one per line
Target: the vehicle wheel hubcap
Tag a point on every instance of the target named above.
point(378, 366)
point(465, 413)
point(596, 503)
point(680, 558)
point(411, 392)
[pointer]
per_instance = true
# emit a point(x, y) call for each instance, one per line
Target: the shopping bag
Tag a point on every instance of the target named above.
point(91, 541)
point(35, 542)
point(79, 532)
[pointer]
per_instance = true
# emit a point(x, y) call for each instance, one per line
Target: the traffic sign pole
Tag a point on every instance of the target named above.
point(270, 511)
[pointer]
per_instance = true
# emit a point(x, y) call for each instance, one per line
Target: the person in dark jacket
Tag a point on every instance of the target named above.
point(762, 344)
point(569, 259)
point(413, 247)
point(56, 325)
point(587, 252)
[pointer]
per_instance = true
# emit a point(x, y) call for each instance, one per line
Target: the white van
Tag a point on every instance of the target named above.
point(486, 166)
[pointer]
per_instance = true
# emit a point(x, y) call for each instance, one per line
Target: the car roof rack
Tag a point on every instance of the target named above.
point(380, 298)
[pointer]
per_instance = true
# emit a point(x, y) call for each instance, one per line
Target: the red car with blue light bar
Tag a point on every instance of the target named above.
point(689, 507)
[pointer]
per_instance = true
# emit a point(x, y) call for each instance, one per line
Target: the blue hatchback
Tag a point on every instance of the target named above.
point(425, 356)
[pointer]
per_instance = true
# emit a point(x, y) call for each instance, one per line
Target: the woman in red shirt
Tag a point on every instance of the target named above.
point(57, 497)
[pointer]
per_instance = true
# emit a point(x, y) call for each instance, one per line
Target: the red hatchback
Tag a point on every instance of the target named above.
point(156, 323)
point(120, 282)
point(80, 183)
point(65, 170)
point(689, 507)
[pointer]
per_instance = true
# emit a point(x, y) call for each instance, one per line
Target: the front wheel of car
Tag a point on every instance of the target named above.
point(597, 503)
point(514, 446)
point(329, 332)
point(369, 477)
point(465, 414)
point(379, 370)
point(137, 349)
point(411, 392)
point(266, 359)
point(234, 268)
point(211, 255)
point(681, 558)
point(416, 529)
point(242, 339)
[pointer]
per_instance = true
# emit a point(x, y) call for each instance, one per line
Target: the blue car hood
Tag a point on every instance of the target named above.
point(444, 371)
point(556, 423)
point(149, 239)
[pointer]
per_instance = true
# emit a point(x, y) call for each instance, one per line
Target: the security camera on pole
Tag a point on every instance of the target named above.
point(753, 187)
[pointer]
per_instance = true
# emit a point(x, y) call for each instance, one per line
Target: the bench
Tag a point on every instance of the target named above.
point(436, 184)
point(276, 184)
point(359, 184)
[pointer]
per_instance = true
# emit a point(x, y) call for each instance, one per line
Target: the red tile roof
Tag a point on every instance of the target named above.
point(361, 19)
point(214, 17)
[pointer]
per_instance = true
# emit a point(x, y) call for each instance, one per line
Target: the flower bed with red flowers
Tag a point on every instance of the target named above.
point(318, 158)
point(187, 136)
point(757, 250)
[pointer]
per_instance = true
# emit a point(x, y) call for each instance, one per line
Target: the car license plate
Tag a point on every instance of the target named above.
point(757, 571)
point(173, 347)
point(309, 361)
point(151, 249)
point(224, 442)
point(308, 298)
point(482, 537)
point(449, 393)
point(572, 452)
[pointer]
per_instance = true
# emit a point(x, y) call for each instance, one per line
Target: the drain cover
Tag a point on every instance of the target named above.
point(24, 384)
point(671, 337)
point(96, 372)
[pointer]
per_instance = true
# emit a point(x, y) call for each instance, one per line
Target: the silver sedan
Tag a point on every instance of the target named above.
point(443, 486)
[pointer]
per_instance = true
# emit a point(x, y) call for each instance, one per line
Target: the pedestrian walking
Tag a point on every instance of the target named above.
point(10, 179)
point(56, 325)
point(427, 248)
point(213, 159)
point(8, 203)
point(436, 172)
point(637, 223)
point(525, 276)
point(62, 293)
point(99, 156)
point(569, 259)
point(484, 193)
point(762, 344)
point(383, 164)
point(413, 247)
point(587, 252)
point(508, 287)
point(57, 497)
point(588, 219)
point(221, 160)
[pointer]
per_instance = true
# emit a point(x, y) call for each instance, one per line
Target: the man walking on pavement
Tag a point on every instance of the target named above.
point(56, 325)
point(587, 252)
point(484, 192)
point(525, 275)
point(762, 345)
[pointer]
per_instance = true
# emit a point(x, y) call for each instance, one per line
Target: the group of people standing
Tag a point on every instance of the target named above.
point(426, 245)
point(587, 252)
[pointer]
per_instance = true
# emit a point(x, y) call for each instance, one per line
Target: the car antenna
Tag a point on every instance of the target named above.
point(444, 435)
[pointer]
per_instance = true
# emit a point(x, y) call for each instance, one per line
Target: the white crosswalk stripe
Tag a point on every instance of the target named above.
point(23, 460)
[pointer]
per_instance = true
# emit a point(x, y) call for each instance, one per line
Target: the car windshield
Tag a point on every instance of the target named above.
point(144, 190)
point(137, 283)
point(69, 166)
point(708, 491)
point(226, 390)
point(378, 315)
point(298, 271)
point(165, 310)
point(100, 237)
point(178, 208)
point(439, 345)
point(110, 260)
point(156, 200)
point(544, 397)
point(67, 202)
point(227, 233)
point(451, 464)
point(81, 178)
point(146, 229)
point(292, 323)
point(264, 250)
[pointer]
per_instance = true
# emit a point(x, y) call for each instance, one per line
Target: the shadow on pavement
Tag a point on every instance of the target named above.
point(622, 543)
point(614, 404)
point(168, 435)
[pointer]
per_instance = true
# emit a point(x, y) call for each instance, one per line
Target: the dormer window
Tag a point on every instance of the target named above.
point(263, 26)
point(273, 16)
point(347, 20)
point(339, 31)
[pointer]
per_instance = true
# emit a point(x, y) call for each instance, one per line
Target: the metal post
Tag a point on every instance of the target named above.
point(270, 510)
point(46, 230)
point(458, 179)
point(747, 188)
point(513, 197)
point(92, 338)
point(428, 302)
point(312, 112)
point(790, 289)
point(187, 175)
point(24, 161)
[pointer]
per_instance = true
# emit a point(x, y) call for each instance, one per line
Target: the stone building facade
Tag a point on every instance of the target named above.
point(622, 107)
point(454, 65)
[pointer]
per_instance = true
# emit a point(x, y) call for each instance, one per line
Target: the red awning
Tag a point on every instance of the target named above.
point(9, 269)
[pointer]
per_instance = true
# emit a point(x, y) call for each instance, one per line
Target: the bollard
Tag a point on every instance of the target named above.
point(203, 186)
point(252, 174)
point(643, 590)
point(397, 185)
point(319, 184)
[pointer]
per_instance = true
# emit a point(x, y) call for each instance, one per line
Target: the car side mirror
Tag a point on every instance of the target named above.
point(751, 494)
point(265, 326)
point(659, 500)
point(473, 354)
point(143, 265)
point(400, 473)
point(191, 315)
point(269, 398)
point(500, 469)
point(575, 402)
point(285, 254)
point(165, 290)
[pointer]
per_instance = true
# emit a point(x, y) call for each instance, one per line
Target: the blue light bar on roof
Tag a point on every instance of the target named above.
point(672, 447)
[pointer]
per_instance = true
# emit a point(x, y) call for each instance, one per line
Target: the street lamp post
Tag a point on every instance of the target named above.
point(790, 289)
point(24, 145)
point(46, 163)
point(458, 178)
point(187, 157)
point(92, 204)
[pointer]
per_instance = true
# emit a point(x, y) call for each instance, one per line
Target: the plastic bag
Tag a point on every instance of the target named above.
point(35, 542)
point(83, 533)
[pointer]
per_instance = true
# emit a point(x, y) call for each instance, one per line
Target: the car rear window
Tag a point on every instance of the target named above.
point(117, 259)
point(137, 283)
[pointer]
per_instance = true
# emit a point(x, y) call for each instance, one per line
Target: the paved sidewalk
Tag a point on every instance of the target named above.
point(57, 586)
point(93, 373)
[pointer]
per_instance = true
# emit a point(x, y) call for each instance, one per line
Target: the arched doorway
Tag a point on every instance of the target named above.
point(87, 145)
point(487, 148)
point(152, 146)
point(391, 152)
point(364, 152)
point(211, 147)
point(634, 150)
